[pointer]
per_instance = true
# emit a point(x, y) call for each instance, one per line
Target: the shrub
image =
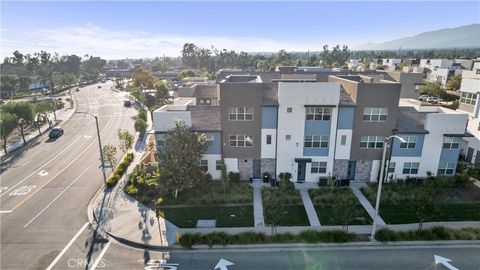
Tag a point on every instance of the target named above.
point(131, 189)
point(140, 125)
point(234, 177)
point(436, 233)
point(189, 239)
point(310, 236)
point(142, 114)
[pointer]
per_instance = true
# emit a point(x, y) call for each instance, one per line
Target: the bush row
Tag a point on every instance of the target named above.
point(120, 170)
point(436, 233)
point(220, 238)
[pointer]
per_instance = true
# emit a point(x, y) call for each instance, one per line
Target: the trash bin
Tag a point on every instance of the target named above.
point(251, 180)
point(266, 177)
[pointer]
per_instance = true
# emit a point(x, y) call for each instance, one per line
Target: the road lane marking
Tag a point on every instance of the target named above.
point(48, 162)
point(67, 247)
point(24, 190)
point(43, 173)
point(45, 208)
point(5, 211)
point(61, 171)
point(100, 256)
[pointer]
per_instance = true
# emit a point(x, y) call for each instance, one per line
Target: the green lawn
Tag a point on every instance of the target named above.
point(324, 201)
point(451, 203)
point(186, 217)
point(292, 215)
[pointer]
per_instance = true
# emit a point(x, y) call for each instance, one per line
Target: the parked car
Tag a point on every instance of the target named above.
point(433, 100)
point(55, 132)
point(99, 86)
point(77, 90)
point(424, 97)
point(127, 103)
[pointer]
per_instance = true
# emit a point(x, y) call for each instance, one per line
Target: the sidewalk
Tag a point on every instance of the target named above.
point(62, 116)
point(307, 202)
point(355, 187)
point(257, 186)
point(127, 220)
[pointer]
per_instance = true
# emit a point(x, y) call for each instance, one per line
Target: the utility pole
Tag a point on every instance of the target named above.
point(101, 152)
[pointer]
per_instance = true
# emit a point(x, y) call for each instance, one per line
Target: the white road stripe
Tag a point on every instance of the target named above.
point(48, 162)
point(100, 256)
point(67, 247)
point(5, 211)
point(45, 208)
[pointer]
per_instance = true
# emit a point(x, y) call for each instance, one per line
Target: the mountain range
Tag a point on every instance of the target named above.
point(467, 36)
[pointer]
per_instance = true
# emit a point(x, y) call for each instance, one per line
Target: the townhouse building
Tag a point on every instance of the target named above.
point(317, 125)
point(469, 104)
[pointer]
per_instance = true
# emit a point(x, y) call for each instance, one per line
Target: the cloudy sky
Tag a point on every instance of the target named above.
point(116, 30)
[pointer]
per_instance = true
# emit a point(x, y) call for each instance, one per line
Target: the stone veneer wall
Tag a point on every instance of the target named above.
point(362, 170)
point(340, 168)
point(268, 165)
point(245, 168)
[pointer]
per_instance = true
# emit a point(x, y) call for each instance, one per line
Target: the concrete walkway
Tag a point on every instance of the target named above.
point(257, 186)
point(355, 187)
point(311, 213)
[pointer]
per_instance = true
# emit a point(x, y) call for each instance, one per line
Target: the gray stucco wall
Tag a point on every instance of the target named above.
point(216, 148)
point(340, 168)
point(245, 168)
point(268, 165)
point(269, 117)
point(362, 170)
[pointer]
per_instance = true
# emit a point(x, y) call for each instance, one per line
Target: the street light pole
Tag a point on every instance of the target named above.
point(99, 146)
point(380, 182)
point(101, 152)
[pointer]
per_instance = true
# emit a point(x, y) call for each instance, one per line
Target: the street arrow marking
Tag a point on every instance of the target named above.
point(444, 261)
point(222, 264)
point(87, 136)
point(43, 173)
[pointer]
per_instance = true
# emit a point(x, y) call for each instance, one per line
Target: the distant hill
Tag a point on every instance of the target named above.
point(467, 36)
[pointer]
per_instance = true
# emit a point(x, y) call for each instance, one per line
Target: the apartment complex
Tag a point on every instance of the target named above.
point(317, 125)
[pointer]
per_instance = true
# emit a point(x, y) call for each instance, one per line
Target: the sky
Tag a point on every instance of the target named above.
point(116, 30)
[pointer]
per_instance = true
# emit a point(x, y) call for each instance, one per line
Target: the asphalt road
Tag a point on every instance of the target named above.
point(45, 189)
point(368, 258)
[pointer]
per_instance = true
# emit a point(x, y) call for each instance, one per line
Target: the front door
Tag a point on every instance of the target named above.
point(352, 164)
point(469, 156)
point(302, 166)
point(256, 169)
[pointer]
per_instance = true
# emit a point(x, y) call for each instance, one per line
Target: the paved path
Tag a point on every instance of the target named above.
point(355, 187)
point(307, 203)
point(258, 205)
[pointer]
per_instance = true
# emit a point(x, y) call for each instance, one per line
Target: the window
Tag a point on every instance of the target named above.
point(468, 98)
point(343, 140)
point(319, 113)
point(319, 167)
point(204, 165)
point(391, 167)
point(288, 137)
point(410, 142)
point(240, 114)
point(371, 142)
point(207, 101)
point(451, 142)
point(269, 139)
point(241, 140)
point(289, 109)
point(316, 141)
point(209, 140)
point(410, 167)
point(218, 165)
point(201, 101)
point(375, 114)
point(446, 168)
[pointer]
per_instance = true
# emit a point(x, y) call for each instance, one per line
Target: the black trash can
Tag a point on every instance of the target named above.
point(266, 177)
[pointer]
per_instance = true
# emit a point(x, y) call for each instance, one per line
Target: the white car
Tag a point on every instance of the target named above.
point(424, 97)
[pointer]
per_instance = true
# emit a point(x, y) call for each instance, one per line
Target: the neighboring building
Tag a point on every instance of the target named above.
point(433, 136)
point(356, 65)
point(411, 82)
point(436, 63)
point(411, 62)
point(469, 103)
point(391, 62)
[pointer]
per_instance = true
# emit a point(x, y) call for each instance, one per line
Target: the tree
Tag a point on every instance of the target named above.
point(140, 125)
point(41, 110)
point(283, 58)
point(224, 177)
point(187, 73)
point(162, 95)
point(8, 123)
point(189, 55)
point(425, 202)
point(344, 209)
point(64, 80)
point(142, 113)
point(126, 140)
point(431, 88)
point(143, 79)
point(179, 162)
point(24, 112)
point(454, 83)
point(110, 154)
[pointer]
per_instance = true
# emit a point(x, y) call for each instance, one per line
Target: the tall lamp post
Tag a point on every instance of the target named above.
point(380, 182)
point(99, 145)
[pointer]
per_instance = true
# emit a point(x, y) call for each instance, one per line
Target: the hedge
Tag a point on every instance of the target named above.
point(220, 238)
point(435, 233)
point(120, 170)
